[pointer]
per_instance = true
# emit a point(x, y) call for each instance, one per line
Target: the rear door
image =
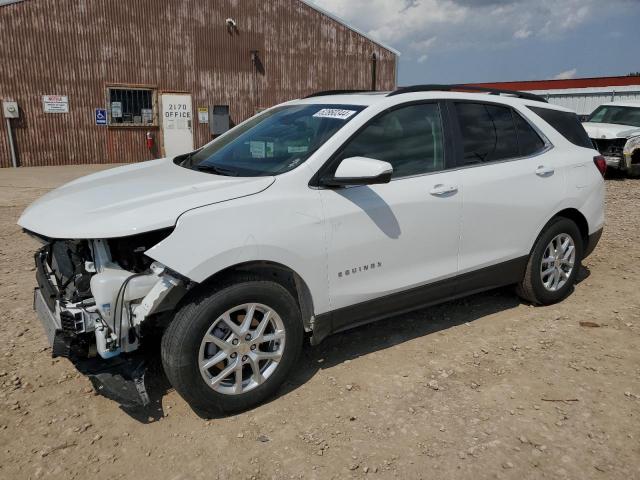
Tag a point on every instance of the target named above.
point(388, 239)
point(511, 181)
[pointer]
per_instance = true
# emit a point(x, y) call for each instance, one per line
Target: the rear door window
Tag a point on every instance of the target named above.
point(488, 132)
point(566, 123)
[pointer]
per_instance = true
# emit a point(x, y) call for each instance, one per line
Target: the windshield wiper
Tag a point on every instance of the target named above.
point(217, 170)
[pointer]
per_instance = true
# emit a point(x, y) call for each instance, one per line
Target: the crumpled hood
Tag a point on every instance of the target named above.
point(131, 199)
point(610, 131)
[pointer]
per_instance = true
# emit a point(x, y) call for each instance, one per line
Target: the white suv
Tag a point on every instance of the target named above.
point(315, 216)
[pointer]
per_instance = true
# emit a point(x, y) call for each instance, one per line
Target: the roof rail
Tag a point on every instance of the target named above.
point(335, 92)
point(467, 88)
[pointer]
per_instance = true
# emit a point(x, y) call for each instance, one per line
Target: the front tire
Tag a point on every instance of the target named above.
point(554, 263)
point(230, 350)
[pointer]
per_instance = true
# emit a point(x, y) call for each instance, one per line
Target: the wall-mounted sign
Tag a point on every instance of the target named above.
point(203, 115)
point(101, 116)
point(116, 109)
point(55, 104)
point(147, 115)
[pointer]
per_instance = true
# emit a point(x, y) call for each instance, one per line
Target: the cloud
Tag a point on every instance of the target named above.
point(423, 58)
point(566, 75)
point(464, 24)
point(522, 33)
point(422, 45)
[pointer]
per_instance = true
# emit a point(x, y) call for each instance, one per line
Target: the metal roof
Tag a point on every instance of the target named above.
point(349, 26)
point(570, 83)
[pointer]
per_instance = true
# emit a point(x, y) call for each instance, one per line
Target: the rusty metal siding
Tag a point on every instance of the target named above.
point(79, 47)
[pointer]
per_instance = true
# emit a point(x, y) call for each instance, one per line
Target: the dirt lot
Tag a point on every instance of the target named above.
point(486, 387)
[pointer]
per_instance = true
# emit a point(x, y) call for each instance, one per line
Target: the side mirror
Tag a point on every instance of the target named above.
point(360, 171)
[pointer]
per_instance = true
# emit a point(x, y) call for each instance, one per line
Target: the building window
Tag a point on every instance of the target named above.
point(135, 107)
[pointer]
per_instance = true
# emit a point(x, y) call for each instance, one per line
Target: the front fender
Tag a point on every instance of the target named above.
point(284, 230)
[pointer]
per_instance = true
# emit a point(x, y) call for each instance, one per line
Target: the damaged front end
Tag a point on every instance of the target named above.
point(98, 300)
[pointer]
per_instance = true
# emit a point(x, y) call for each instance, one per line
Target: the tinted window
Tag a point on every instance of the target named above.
point(528, 140)
point(409, 138)
point(567, 124)
point(617, 115)
point(488, 132)
point(273, 142)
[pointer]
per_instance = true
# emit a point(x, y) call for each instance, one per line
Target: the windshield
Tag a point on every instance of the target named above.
point(617, 115)
point(274, 142)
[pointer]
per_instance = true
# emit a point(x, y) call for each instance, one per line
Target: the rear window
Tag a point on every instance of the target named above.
point(567, 124)
point(529, 141)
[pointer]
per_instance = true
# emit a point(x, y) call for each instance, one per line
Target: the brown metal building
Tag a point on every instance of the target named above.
point(163, 66)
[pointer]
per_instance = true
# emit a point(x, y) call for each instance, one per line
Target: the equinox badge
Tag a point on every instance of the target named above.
point(363, 268)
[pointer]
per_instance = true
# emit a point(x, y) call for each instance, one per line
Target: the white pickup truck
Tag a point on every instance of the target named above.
point(614, 129)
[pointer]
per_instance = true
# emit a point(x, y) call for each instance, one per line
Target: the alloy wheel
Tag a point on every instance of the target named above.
point(242, 348)
point(558, 262)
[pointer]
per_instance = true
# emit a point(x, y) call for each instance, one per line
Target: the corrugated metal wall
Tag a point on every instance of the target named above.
point(585, 100)
point(78, 47)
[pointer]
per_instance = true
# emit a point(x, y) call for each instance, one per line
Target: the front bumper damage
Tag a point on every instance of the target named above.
point(75, 331)
point(620, 153)
point(120, 378)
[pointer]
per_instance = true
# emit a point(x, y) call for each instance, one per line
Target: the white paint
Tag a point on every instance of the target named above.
point(177, 123)
point(362, 167)
point(410, 236)
point(415, 230)
point(131, 199)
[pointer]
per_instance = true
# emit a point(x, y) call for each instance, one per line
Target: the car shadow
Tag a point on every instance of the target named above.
point(615, 175)
point(355, 343)
point(375, 207)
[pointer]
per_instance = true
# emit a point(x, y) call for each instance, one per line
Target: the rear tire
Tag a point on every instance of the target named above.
point(247, 365)
point(554, 263)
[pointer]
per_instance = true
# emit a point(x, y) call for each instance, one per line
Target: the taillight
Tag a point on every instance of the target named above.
point(601, 164)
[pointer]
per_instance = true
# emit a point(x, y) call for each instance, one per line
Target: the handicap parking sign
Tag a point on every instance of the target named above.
point(101, 116)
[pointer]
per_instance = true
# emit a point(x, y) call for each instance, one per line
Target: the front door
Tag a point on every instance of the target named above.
point(393, 238)
point(177, 124)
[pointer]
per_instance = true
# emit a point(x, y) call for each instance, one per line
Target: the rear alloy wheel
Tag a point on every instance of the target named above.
point(554, 263)
point(558, 261)
point(230, 349)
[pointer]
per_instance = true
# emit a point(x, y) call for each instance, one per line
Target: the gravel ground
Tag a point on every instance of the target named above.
point(485, 387)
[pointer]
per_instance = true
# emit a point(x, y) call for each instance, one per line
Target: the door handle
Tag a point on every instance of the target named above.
point(441, 190)
point(543, 171)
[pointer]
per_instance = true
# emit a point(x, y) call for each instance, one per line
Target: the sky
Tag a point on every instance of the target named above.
point(465, 41)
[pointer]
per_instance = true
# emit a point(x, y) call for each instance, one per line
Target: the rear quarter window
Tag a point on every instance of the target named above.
point(566, 124)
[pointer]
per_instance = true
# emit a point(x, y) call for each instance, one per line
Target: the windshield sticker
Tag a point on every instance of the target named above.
point(336, 113)
point(301, 149)
point(257, 149)
point(269, 149)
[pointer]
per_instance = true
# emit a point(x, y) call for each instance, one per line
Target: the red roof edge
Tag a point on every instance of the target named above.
point(562, 84)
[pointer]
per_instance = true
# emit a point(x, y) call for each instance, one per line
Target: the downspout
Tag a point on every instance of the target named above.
point(374, 67)
point(12, 147)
